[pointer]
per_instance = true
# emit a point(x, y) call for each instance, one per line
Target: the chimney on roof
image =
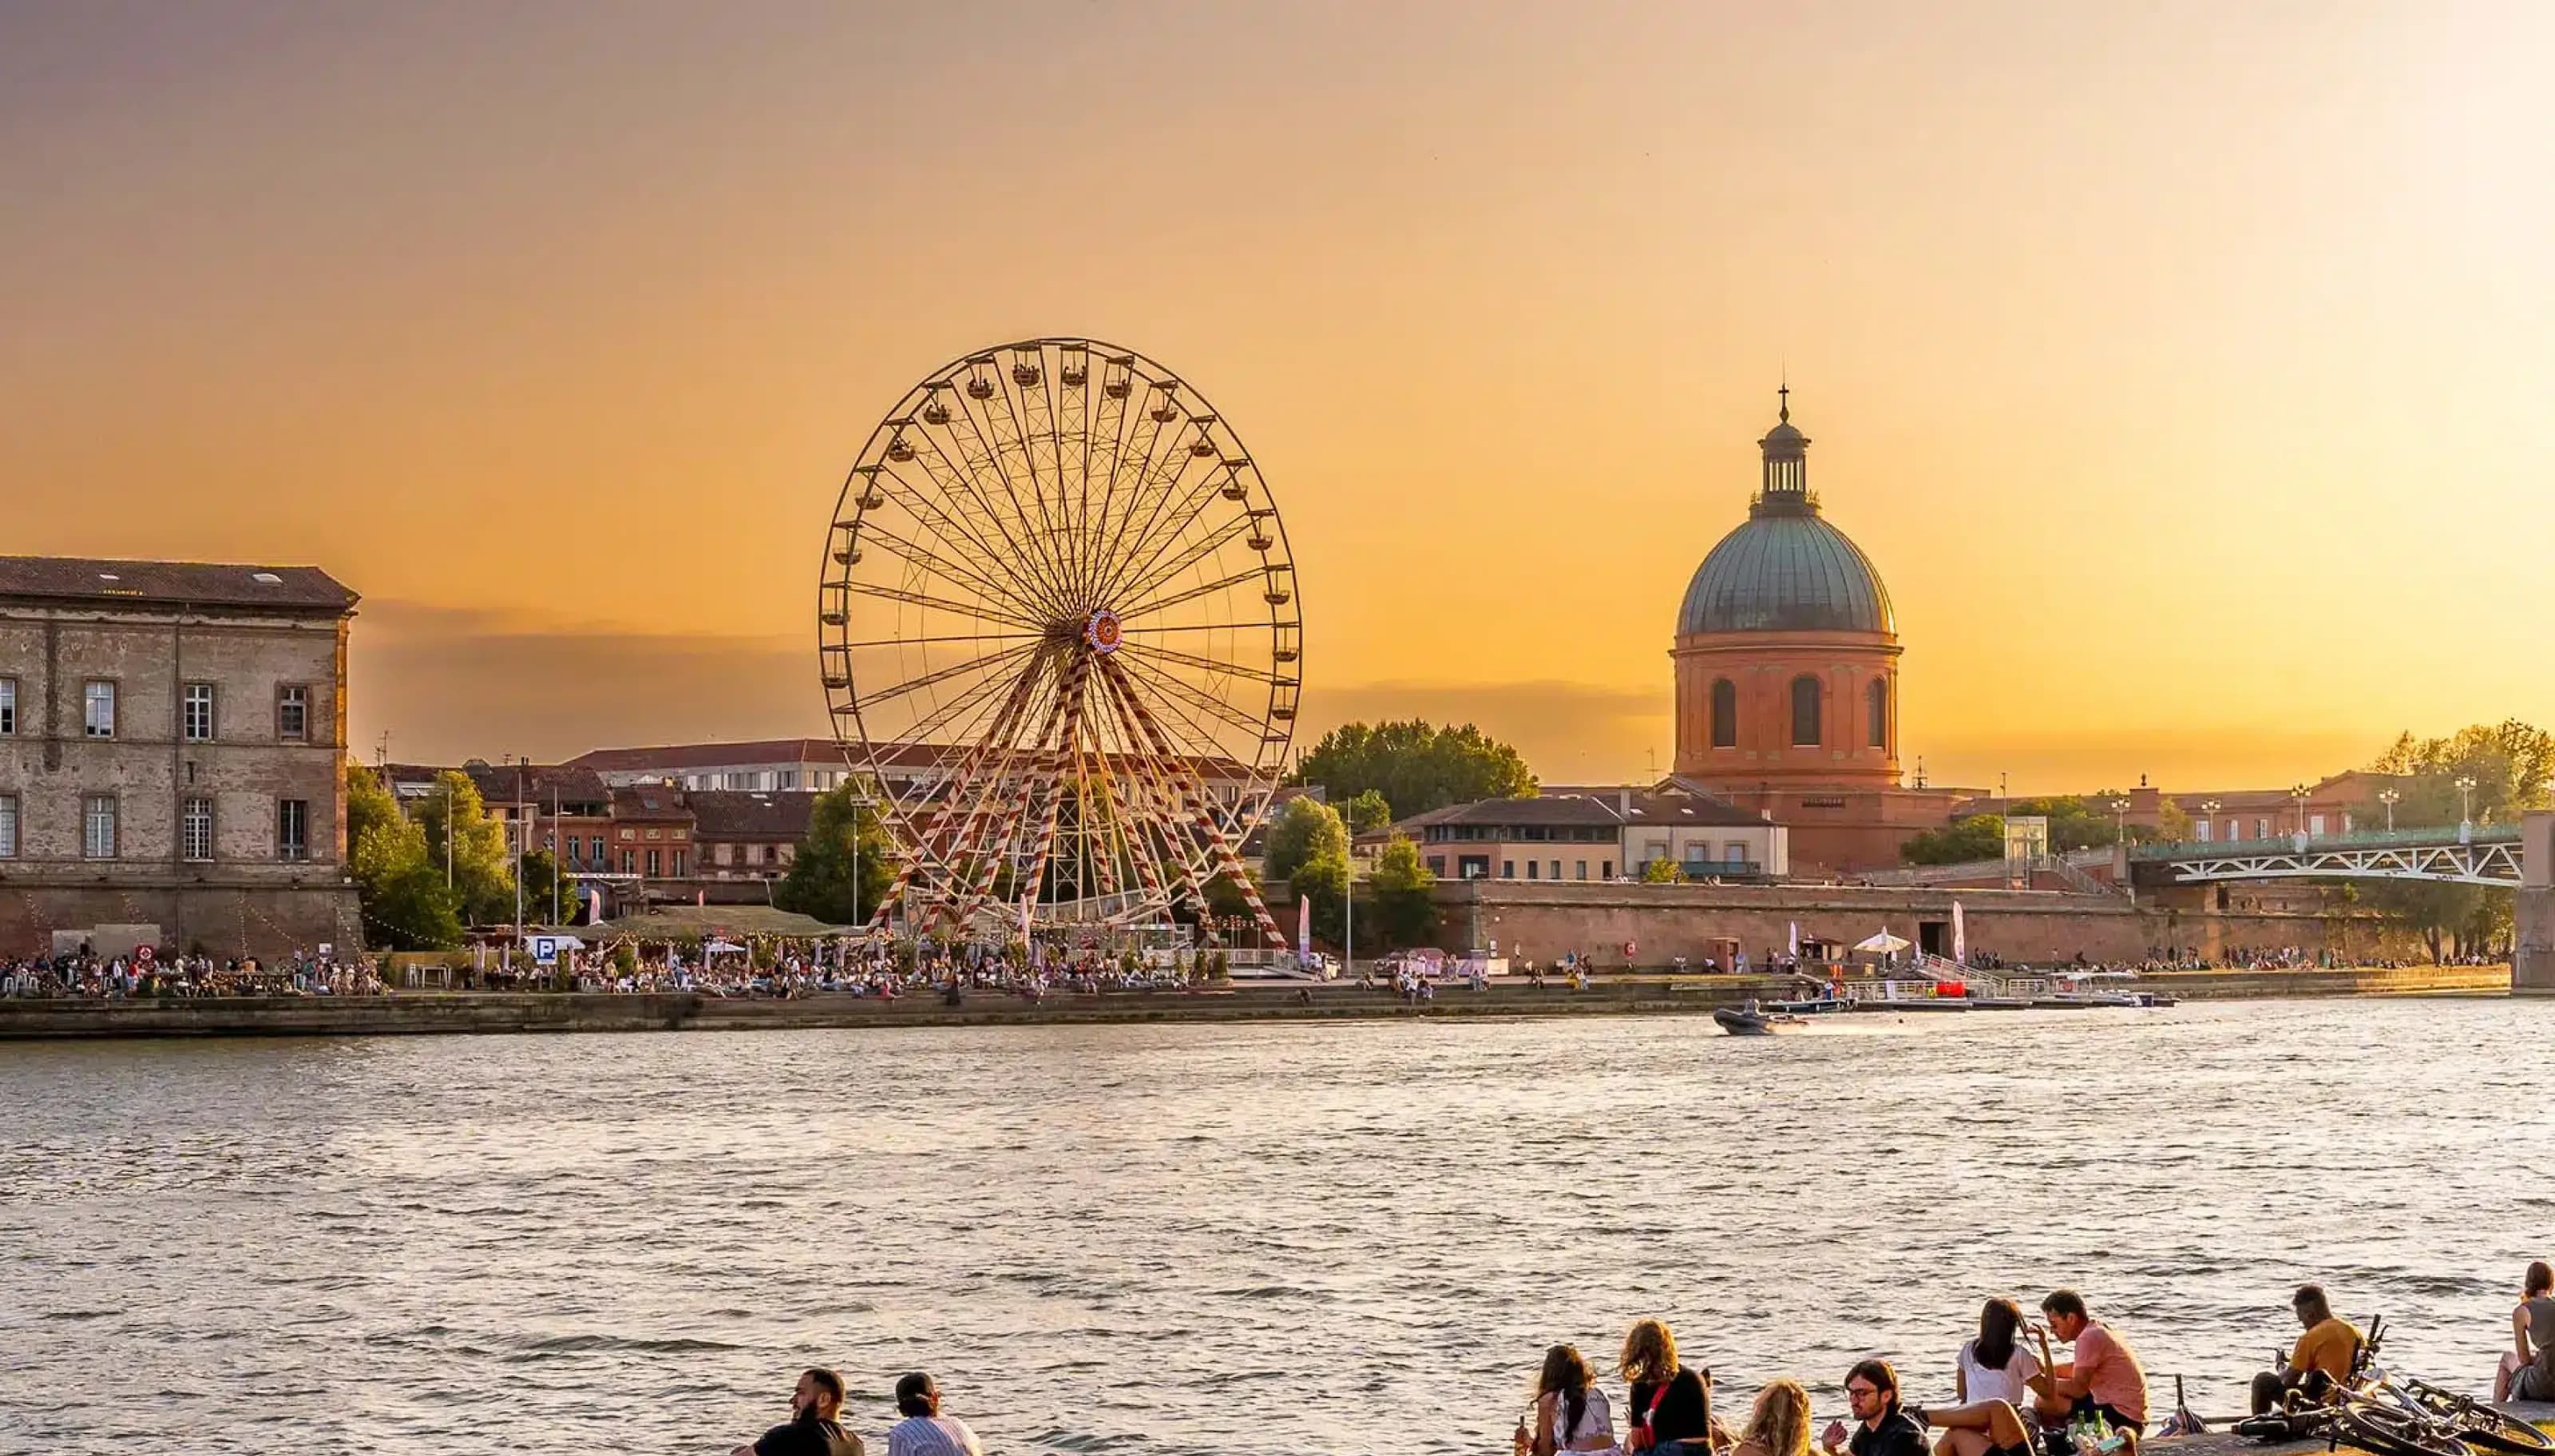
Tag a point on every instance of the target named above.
point(1623, 803)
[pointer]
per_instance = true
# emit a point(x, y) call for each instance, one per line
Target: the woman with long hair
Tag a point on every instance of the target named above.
point(1778, 1424)
point(2528, 1368)
point(1570, 1412)
point(1671, 1405)
point(1994, 1366)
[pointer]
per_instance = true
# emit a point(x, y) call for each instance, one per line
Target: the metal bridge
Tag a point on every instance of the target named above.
point(2456, 854)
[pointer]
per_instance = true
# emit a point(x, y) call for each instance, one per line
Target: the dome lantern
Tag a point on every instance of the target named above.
point(1785, 568)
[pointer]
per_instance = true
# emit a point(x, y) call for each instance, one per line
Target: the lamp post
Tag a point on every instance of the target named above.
point(2466, 797)
point(2209, 808)
point(2298, 797)
point(2120, 820)
point(2387, 797)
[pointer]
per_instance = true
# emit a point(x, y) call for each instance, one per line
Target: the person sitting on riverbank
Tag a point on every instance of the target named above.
point(1994, 1366)
point(2320, 1365)
point(1671, 1405)
point(2527, 1370)
point(815, 1427)
point(925, 1431)
point(2104, 1380)
point(1778, 1424)
point(1570, 1412)
point(1882, 1426)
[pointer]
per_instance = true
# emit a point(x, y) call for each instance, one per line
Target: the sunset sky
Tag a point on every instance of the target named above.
point(2186, 373)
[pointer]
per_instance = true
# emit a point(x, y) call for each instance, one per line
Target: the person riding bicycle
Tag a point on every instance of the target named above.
point(2319, 1367)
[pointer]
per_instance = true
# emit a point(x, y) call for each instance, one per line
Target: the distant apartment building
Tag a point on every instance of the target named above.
point(769, 765)
point(748, 836)
point(171, 742)
point(1597, 834)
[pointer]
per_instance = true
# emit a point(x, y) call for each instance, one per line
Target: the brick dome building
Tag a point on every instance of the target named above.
point(1788, 676)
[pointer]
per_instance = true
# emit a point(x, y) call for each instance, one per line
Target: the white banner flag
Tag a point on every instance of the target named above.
point(1960, 936)
point(1303, 926)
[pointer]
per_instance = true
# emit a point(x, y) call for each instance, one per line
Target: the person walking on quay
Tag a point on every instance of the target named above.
point(925, 1431)
point(815, 1425)
point(2104, 1380)
point(2528, 1367)
point(1882, 1426)
point(2321, 1363)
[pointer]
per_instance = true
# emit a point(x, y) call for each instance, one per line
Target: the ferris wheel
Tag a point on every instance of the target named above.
point(1059, 635)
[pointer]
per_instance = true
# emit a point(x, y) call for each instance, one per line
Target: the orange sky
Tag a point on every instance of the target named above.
point(2185, 371)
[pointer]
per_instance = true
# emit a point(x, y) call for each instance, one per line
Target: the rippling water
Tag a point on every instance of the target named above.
point(1277, 1238)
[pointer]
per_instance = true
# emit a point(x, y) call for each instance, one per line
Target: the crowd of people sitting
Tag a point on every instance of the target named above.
point(2012, 1397)
point(86, 973)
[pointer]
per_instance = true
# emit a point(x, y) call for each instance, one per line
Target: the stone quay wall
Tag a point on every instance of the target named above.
point(442, 1014)
point(1664, 922)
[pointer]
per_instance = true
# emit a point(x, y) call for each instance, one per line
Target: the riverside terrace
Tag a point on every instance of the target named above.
point(432, 1013)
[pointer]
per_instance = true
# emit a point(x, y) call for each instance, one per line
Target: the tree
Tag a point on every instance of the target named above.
point(2074, 822)
point(821, 879)
point(1415, 766)
point(1305, 829)
point(2511, 763)
point(1662, 872)
point(1368, 812)
point(2173, 825)
point(1404, 912)
point(540, 872)
point(1325, 879)
point(480, 874)
point(402, 896)
point(1978, 837)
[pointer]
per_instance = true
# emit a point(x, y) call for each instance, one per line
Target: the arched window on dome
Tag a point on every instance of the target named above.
point(1725, 713)
point(1875, 698)
point(1805, 712)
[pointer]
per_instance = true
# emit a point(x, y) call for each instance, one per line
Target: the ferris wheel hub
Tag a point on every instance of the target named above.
point(1103, 632)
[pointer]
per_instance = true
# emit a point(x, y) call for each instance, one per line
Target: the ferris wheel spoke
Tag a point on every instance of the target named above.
point(959, 717)
point(1155, 649)
point(1184, 703)
point(1024, 587)
point(956, 636)
point(1008, 591)
point(1154, 577)
point(943, 604)
point(1156, 480)
point(962, 476)
point(982, 459)
point(1191, 497)
point(941, 499)
point(937, 676)
point(1192, 594)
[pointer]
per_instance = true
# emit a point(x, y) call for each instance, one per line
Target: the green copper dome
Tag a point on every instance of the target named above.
point(1785, 569)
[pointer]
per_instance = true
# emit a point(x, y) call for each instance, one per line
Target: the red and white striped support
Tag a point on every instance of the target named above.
point(1077, 677)
point(931, 841)
point(1222, 851)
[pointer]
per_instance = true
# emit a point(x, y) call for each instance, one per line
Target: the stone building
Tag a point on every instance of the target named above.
point(1786, 658)
point(171, 742)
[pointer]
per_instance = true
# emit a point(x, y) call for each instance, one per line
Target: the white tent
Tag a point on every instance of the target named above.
point(720, 948)
point(1883, 943)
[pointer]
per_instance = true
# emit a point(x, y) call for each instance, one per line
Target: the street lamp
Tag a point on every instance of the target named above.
point(2388, 796)
point(2120, 820)
point(2466, 791)
point(2209, 807)
point(2298, 797)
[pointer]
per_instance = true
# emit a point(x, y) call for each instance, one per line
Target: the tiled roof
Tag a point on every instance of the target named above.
point(644, 802)
point(712, 754)
point(734, 815)
point(502, 783)
point(174, 584)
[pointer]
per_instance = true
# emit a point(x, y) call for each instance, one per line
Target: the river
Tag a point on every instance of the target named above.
point(1231, 1239)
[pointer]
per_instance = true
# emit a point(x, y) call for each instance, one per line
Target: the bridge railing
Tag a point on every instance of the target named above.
point(2437, 834)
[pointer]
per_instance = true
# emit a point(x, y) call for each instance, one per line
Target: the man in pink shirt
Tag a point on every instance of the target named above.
point(2103, 1379)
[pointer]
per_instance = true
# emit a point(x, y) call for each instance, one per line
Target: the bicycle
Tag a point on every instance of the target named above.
point(2370, 1410)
